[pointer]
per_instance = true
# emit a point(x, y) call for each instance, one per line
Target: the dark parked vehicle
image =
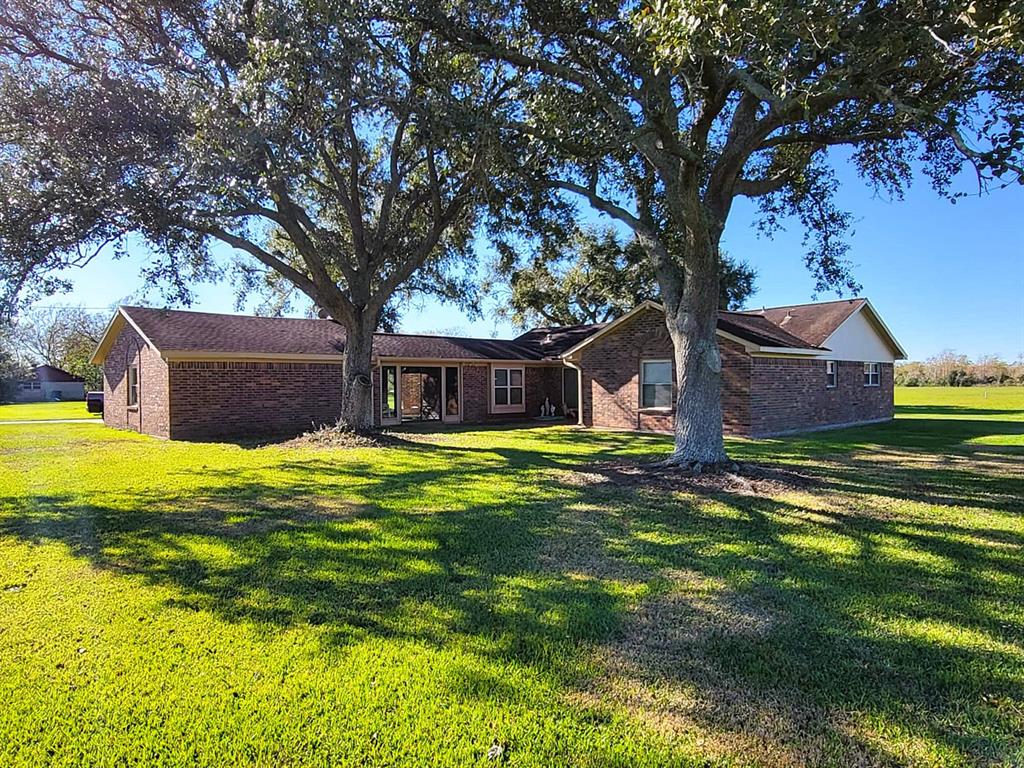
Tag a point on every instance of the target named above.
point(94, 402)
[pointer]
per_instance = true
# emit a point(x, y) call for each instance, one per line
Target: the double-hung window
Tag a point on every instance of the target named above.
point(871, 378)
point(656, 384)
point(831, 377)
point(507, 394)
point(133, 385)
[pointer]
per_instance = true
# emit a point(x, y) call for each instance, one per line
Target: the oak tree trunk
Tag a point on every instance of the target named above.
point(698, 423)
point(357, 395)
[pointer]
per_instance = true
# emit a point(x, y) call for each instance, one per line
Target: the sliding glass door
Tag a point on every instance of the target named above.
point(411, 393)
point(389, 395)
point(452, 394)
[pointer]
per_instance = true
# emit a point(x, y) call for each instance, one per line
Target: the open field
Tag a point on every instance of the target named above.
point(520, 591)
point(991, 403)
point(72, 409)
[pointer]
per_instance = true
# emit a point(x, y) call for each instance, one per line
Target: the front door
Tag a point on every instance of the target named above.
point(410, 393)
point(420, 393)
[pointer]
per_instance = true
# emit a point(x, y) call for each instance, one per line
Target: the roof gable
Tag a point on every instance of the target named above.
point(812, 322)
point(818, 323)
point(749, 328)
point(52, 373)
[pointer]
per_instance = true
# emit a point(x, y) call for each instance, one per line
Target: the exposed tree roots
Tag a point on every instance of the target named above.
point(731, 477)
point(680, 464)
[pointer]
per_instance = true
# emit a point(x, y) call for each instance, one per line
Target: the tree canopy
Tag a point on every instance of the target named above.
point(591, 277)
point(341, 149)
point(351, 148)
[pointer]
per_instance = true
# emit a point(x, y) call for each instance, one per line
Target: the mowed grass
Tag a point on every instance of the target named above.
point(503, 591)
point(70, 409)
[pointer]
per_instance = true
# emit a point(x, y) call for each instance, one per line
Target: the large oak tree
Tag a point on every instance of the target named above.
point(661, 114)
point(345, 152)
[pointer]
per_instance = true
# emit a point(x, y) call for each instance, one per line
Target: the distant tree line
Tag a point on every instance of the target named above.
point(950, 369)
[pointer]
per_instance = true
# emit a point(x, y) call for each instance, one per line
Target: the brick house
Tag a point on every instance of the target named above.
point(195, 375)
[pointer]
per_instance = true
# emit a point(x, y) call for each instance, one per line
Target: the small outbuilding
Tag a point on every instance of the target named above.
point(47, 382)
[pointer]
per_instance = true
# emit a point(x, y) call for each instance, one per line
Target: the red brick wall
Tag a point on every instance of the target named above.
point(789, 395)
point(241, 399)
point(611, 374)
point(611, 377)
point(151, 415)
point(543, 383)
point(736, 368)
point(475, 380)
point(760, 396)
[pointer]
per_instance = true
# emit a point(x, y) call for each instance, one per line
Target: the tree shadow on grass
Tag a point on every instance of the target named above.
point(799, 629)
point(775, 648)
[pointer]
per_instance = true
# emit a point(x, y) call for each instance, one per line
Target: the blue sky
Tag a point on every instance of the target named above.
point(943, 276)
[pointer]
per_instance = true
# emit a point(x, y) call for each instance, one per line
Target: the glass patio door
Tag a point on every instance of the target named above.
point(389, 395)
point(452, 394)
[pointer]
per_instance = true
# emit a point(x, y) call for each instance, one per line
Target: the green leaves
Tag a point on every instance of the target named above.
point(592, 277)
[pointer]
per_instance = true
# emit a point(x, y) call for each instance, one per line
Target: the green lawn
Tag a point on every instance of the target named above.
point(166, 603)
point(72, 409)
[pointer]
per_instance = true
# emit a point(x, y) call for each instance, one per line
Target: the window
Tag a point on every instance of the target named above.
point(830, 374)
point(656, 384)
point(133, 385)
point(871, 374)
point(507, 392)
point(388, 392)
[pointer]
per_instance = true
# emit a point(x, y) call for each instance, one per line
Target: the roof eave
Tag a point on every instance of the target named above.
point(794, 351)
point(111, 333)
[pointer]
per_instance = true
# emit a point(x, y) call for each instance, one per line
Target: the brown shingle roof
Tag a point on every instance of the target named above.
point(554, 340)
point(197, 332)
point(754, 328)
point(186, 331)
point(424, 347)
point(814, 322)
point(760, 330)
point(181, 331)
point(53, 373)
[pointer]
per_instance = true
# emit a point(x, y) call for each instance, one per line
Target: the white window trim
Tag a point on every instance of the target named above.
point(834, 376)
point(672, 383)
point(875, 374)
point(397, 418)
point(510, 408)
point(133, 367)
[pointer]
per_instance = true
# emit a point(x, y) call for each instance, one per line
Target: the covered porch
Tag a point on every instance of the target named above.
point(454, 392)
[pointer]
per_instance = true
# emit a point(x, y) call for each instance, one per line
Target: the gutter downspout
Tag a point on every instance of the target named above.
point(579, 390)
